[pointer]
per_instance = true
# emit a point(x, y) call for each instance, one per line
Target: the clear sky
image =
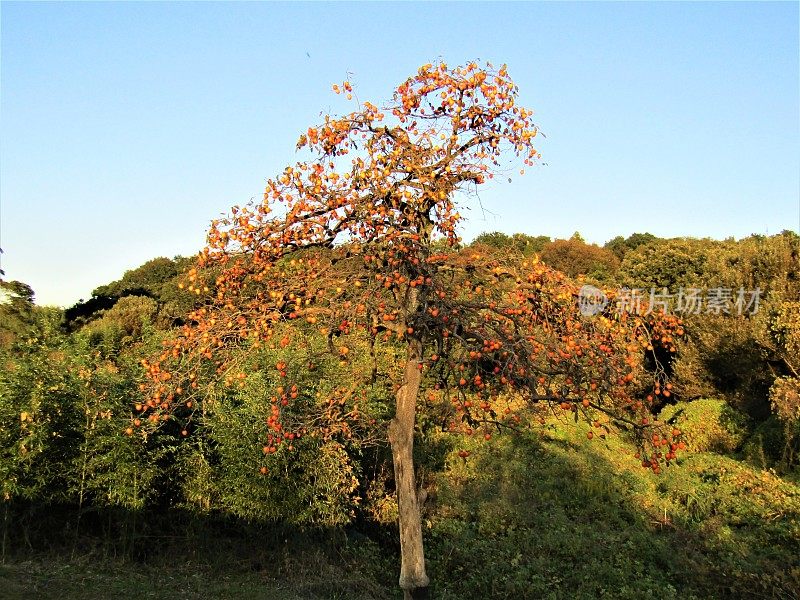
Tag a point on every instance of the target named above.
point(127, 127)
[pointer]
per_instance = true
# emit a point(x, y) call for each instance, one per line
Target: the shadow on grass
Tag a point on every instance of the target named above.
point(159, 554)
point(561, 517)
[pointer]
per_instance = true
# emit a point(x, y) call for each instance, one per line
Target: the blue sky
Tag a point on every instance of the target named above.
point(127, 127)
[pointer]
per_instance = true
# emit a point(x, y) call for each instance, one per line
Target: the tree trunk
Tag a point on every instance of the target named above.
point(413, 579)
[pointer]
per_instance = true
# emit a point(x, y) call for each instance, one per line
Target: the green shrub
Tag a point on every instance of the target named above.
point(40, 422)
point(708, 425)
point(748, 518)
point(785, 397)
point(764, 447)
point(114, 468)
point(230, 463)
point(721, 356)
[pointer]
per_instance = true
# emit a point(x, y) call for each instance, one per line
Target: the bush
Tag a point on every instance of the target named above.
point(748, 517)
point(230, 461)
point(764, 448)
point(708, 425)
point(721, 356)
point(40, 421)
point(121, 325)
point(785, 396)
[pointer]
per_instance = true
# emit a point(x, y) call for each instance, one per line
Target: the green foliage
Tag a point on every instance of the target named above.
point(770, 263)
point(545, 514)
point(310, 481)
point(153, 279)
point(16, 311)
point(112, 468)
point(494, 239)
point(708, 425)
point(523, 243)
point(39, 419)
point(542, 516)
point(524, 516)
point(620, 245)
point(783, 333)
point(728, 355)
point(765, 446)
point(314, 483)
point(722, 356)
point(577, 237)
point(528, 244)
point(785, 397)
point(672, 264)
point(557, 515)
point(64, 409)
point(707, 486)
point(157, 279)
point(750, 520)
point(121, 325)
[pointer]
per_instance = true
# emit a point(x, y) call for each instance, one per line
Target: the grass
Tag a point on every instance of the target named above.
point(559, 516)
point(56, 579)
point(60, 578)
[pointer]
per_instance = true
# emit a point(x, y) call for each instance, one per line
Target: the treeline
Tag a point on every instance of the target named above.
point(70, 381)
point(733, 352)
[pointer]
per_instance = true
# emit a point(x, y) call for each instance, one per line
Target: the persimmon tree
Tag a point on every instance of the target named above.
point(355, 250)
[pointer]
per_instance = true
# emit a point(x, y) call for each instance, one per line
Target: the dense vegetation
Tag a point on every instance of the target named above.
point(198, 507)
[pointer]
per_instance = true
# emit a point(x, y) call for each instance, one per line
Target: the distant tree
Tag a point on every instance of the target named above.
point(353, 257)
point(577, 237)
point(620, 246)
point(575, 257)
point(495, 239)
point(146, 280)
point(122, 324)
point(673, 264)
point(156, 279)
point(738, 353)
point(16, 311)
point(523, 243)
point(770, 263)
point(783, 323)
point(529, 245)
